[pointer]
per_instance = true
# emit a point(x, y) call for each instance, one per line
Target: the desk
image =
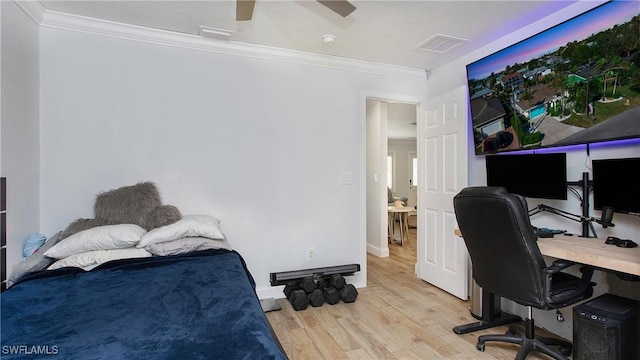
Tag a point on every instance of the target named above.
point(592, 251)
point(400, 214)
point(587, 251)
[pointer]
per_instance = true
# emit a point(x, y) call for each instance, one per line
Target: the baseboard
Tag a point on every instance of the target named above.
point(378, 251)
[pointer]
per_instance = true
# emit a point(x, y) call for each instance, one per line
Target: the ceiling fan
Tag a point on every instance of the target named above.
point(244, 8)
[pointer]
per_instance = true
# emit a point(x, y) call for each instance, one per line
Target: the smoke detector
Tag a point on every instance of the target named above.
point(328, 39)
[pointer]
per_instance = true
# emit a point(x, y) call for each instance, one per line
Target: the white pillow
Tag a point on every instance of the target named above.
point(90, 259)
point(98, 238)
point(186, 245)
point(188, 226)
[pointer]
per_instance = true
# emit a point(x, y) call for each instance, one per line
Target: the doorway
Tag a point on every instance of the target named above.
point(391, 164)
point(442, 140)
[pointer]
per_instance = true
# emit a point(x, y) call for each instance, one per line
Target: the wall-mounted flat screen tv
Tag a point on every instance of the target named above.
point(616, 184)
point(575, 83)
point(542, 176)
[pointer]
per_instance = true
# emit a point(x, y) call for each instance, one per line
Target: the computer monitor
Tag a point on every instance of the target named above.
point(541, 176)
point(616, 184)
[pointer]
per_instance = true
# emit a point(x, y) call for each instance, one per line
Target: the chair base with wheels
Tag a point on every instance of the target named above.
point(528, 341)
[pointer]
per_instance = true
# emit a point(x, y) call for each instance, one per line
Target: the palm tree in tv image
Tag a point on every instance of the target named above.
point(558, 107)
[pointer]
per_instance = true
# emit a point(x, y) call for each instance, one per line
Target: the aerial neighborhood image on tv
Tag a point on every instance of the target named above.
point(575, 83)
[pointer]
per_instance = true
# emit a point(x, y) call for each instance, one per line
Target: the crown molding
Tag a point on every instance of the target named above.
point(33, 9)
point(87, 25)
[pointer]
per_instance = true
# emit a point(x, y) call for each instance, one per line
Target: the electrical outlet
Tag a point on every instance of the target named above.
point(310, 253)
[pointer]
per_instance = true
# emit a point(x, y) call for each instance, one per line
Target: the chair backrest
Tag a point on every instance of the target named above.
point(502, 243)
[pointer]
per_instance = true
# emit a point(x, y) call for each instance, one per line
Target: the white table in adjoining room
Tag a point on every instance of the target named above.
point(400, 215)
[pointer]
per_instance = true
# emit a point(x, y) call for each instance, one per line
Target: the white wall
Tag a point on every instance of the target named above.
point(454, 74)
point(377, 240)
point(19, 126)
point(261, 144)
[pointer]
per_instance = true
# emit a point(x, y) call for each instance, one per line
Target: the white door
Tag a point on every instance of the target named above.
point(442, 150)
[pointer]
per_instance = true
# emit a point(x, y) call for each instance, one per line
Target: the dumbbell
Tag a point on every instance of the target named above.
point(289, 288)
point(307, 284)
point(348, 294)
point(323, 283)
point(299, 299)
point(316, 298)
point(296, 295)
point(331, 295)
point(303, 293)
point(337, 281)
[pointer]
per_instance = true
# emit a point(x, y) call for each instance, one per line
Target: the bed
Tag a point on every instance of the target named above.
point(138, 281)
point(199, 305)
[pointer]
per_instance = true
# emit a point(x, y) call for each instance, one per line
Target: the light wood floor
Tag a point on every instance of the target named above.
point(397, 316)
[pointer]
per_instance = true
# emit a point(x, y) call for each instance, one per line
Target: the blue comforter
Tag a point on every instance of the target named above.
point(196, 306)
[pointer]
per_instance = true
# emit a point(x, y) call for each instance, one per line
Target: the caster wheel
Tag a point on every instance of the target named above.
point(565, 351)
point(513, 330)
point(480, 346)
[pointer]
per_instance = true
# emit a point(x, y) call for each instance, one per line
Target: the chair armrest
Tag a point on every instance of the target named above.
point(579, 292)
point(558, 266)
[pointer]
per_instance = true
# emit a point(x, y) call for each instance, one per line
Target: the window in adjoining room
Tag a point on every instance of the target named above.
point(414, 170)
point(390, 170)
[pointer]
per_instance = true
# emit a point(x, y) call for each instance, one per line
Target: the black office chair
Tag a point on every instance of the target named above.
point(506, 261)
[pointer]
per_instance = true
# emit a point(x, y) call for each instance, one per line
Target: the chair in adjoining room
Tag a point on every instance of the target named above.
point(391, 199)
point(506, 261)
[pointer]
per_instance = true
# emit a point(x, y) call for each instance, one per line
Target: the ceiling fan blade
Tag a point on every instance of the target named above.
point(341, 7)
point(244, 9)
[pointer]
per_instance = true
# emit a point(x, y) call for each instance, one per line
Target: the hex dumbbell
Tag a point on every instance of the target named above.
point(299, 300)
point(331, 295)
point(348, 294)
point(337, 281)
point(307, 284)
point(316, 298)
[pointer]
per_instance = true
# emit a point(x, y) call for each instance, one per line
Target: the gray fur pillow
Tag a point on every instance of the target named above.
point(163, 215)
point(128, 204)
point(80, 225)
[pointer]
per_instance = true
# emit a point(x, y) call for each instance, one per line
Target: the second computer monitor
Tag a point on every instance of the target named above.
point(541, 176)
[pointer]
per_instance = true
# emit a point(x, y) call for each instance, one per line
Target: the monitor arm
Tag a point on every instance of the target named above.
point(585, 219)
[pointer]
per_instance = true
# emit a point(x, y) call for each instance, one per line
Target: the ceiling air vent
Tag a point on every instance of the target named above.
point(441, 43)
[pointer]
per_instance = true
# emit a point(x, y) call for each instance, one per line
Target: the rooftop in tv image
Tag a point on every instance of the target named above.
point(561, 86)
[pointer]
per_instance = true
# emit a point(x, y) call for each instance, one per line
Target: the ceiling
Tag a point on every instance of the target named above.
point(381, 31)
